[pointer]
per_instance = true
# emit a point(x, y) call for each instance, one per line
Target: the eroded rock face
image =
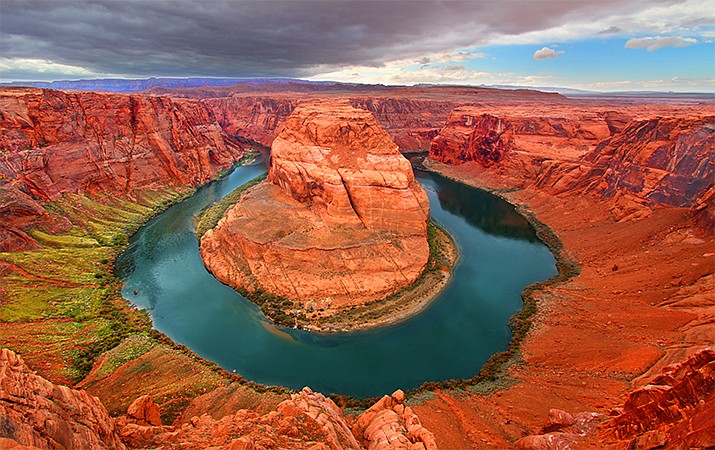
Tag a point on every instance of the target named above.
point(36, 412)
point(665, 161)
point(674, 410)
point(469, 137)
point(633, 164)
point(308, 420)
point(59, 142)
point(340, 221)
point(18, 214)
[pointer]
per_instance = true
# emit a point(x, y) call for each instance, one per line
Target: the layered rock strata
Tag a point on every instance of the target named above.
point(53, 143)
point(636, 164)
point(36, 412)
point(340, 221)
point(675, 410)
point(56, 142)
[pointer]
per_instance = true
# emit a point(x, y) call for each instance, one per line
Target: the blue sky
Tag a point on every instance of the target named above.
point(605, 45)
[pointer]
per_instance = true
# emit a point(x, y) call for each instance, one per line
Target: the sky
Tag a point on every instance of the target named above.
point(603, 45)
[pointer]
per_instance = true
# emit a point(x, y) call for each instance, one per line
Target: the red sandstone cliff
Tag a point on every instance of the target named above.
point(341, 220)
point(412, 123)
point(660, 161)
point(55, 142)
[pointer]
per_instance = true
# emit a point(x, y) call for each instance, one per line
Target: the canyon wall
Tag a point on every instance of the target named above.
point(53, 143)
point(412, 123)
point(340, 221)
point(628, 194)
point(39, 414)
point(633, 164)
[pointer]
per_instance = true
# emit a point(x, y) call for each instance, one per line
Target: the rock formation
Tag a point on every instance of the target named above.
point(308, 420)
point(340, 221)
point(663, 161)
point(634, 164)
point(58, 142)
point(53, 143)
point(35, 412)
point(390, 424)
point(675, 410)
point(19, 213)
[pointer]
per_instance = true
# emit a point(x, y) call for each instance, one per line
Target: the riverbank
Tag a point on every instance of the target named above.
point(639, 303)
point(404, 304)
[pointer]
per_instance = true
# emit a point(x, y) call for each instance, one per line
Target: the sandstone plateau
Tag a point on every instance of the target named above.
point(626, 186)
point(340, 220)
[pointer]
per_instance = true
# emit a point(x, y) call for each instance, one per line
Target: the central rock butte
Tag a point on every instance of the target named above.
point(340, 221)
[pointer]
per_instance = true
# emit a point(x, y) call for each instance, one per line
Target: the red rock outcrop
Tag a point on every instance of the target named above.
point(476, 134)
point(664, 161)
point(307, 421)
point(143, 411)
point(36, 412)
point(675, 410)
point(340, 221)
point(483, 138)
point(54, 142)
point(390, 424)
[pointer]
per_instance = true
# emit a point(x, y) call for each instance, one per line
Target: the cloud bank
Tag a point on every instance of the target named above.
point(655, 43)
point(282, 38)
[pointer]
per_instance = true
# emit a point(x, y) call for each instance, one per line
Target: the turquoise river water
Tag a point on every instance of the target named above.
point(460, 330)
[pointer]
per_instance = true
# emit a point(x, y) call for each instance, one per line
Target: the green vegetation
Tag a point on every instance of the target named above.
point(70, 279)
point(208, 218)
point(129, 349)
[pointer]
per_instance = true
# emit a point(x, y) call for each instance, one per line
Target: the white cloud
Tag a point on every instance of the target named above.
point(547, 53)
point(685, 17)
point(40, 66)
point(656, 42)
point(676, 84)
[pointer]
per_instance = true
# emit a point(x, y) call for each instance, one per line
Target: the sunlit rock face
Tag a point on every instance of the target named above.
point(340, 220)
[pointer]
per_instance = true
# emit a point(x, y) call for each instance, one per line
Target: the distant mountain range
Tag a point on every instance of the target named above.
point(125, 85)
point(135, 85)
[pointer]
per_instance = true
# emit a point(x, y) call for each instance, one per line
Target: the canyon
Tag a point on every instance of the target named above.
point(340, 221)
point(626, 186)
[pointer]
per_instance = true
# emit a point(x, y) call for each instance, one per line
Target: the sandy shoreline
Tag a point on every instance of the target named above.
point(403, 305)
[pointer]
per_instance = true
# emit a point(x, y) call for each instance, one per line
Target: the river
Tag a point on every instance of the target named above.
point(464, 326)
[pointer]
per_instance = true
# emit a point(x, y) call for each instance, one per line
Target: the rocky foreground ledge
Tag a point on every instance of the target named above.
point(36, 413)
point(339, 223)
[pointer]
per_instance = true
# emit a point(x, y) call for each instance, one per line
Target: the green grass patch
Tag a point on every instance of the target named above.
point(208, 218)
point(129, 349)
point(63, 240)
point(70, 278)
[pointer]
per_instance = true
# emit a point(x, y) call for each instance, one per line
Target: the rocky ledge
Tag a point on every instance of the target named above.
point(340, 221)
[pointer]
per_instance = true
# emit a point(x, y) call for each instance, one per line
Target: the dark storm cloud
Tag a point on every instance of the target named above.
point(268, 38)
